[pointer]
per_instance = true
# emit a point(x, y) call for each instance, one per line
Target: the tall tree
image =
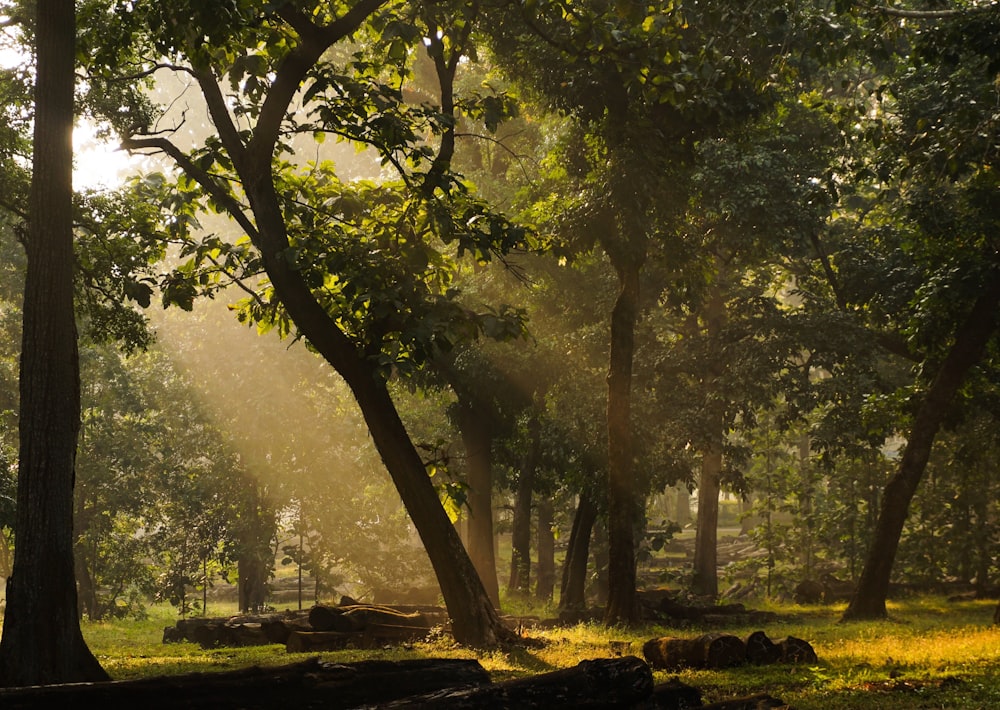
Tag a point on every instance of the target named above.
point(646, 84)
point(42, 642)
point(349, 266)
point(938, 155)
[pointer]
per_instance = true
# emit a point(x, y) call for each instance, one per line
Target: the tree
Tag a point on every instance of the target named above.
point(646, 86)
point(42, 642)
point(349, 266)
point(942, 151)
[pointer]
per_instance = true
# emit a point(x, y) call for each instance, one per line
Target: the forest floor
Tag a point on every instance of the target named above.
point(931, 653)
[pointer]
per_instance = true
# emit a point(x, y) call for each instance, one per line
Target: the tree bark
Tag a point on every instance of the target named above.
point(546, 582)
point(477, 436)
point(622, 606)
point(970, 343)
point(42, 642)
point(256, 555)
point(520, 556)
point(572, 594)
point(706, 576)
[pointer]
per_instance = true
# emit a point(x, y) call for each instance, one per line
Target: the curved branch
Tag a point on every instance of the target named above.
point(202, 177)
point(314, 40)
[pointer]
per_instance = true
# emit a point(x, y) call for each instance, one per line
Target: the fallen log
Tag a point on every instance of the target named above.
point(761, 650)
point(712, 651)
point(359, 616)
point(308, 684)
point(606, 682)
point(795, 650)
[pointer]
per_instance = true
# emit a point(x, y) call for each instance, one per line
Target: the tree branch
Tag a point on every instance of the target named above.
point(202, 177)
point(314, 40)
point(936, 14)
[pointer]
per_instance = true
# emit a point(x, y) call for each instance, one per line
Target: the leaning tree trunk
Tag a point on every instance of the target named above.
point(970, 343)
point(477, 436)
point(572, 594)
point(475, 620)
point(622, 606)
point(42, 642)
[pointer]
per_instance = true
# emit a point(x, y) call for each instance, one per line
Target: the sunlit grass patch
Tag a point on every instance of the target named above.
point(931, 653)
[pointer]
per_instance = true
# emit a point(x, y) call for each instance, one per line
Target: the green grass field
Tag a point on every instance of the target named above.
point(929, 654)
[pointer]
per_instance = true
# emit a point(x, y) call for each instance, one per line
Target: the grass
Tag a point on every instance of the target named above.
point(929, 654)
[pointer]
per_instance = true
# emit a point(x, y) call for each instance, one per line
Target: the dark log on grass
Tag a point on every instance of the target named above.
point(316, 641)
point(671, 653)
point(277, 630)
point(709, 651)
point(357, 617)
point(795, 650)
point(309, 684)
point(672, 695)
point(722, 650)
point(761, 650)
point(606, 683)
point(761, 701)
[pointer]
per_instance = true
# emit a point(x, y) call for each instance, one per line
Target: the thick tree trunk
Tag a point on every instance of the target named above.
point(622, 606)
point(477, 436)
point(572, 594)
point(545, 585)
point(970, 343)
point(41, 641)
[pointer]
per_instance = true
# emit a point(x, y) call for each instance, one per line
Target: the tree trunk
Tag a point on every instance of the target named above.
point(520, 556)
point(572, 593)
point(622, 606)
point(706, 576)
point(41, 641)
point(477, 435)
point(256, 555)
point(545, 585)
point(970, 343)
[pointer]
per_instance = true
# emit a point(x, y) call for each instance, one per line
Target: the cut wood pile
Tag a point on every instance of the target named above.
point(717, 650)
point(433, 682)
point(322, 628)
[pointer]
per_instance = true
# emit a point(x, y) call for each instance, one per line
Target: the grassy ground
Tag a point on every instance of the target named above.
point(930, 654)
